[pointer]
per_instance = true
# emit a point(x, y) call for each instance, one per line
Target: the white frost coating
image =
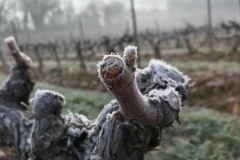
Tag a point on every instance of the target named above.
point(29, 141)
point(1, 114)
point(74, 132)
point(40, 95)
point(130, 54)
point(130, 50)
point(7, 121)
point(166, 71)
point(101, 63)
point(9, 39)
point(164, 94)
point(173, 99)
point(158, 64)
point(83, 118)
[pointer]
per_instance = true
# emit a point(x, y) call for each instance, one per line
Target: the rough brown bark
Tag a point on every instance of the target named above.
point(80, 56)
point(53, 49)
point(226, 27)
point(155, 44)
point(117, 73)
point(227, 37)
point(20, 58)
point(236, 45)
point(36, 48)
point(45, 134)
point(189, 46)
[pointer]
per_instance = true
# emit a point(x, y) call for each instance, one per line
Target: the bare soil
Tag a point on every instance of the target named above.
point(217, 56)
point(216, 90)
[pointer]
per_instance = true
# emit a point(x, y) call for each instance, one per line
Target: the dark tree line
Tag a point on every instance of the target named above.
point(232, 31)
point(187, 34)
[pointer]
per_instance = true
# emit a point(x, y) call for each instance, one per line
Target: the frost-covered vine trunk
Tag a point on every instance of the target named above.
point(147, 100)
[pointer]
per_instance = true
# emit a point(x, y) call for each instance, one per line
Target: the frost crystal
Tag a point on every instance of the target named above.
point(9, 39)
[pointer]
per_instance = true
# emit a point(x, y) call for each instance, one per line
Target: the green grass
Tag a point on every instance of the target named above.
point(175, 51)
point(222, 66)
point(2, 78)
point(203, 135)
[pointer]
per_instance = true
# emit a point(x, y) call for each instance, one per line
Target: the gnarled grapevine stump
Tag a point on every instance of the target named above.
point(147, 100)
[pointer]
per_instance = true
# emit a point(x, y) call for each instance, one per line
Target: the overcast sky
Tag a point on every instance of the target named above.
point(139, 4)
point(161, 4)
point(222, 9)
point(172, 13)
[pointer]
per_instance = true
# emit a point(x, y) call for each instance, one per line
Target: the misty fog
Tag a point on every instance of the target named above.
point(110, 17)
